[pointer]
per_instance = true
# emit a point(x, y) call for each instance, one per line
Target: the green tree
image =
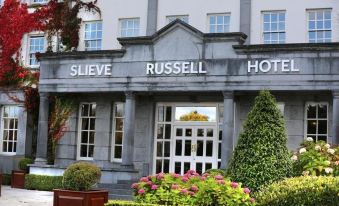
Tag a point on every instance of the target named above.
point(261, 156)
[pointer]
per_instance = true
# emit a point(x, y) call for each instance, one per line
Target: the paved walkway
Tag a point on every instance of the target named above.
point(18, 197)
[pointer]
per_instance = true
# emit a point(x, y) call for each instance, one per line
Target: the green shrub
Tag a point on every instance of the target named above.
point(261, 156)
point(23, 164)
point(81, 176)
point(126, 203)
point(306, 190)
point(42, 182)
point(6, 179)
point(316, 158)
point(214, 172)
point(191, 190)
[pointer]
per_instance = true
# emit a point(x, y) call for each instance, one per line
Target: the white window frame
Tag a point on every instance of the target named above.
point(272, 32)
point(34, 66)
point(308, 11)
point(95, 39)
point(134, 28)
point(39, 1)
point(305, 120)
point(215, 25)
point(79, 133)
point(113, 159)
point(2, 131)
point(171, 18)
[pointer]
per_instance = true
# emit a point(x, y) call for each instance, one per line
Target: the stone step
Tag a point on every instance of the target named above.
point(120, 197)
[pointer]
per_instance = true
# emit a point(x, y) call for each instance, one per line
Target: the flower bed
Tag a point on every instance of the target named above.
point(316, 158)
point(191, 189)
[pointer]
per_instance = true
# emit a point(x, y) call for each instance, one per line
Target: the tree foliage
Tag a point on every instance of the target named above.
point(261, 156)
point(194, 116)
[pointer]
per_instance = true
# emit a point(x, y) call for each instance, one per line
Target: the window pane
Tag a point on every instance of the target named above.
point(311, 111)
point(322, 127)
point(204, 114)
point(311, 126)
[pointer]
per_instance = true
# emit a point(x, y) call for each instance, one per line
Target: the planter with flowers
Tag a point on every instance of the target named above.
point(316, 159)
point(191, 189)
point(78, 181)
point(18, 176)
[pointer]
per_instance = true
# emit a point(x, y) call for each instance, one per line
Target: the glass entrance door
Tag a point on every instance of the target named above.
point(195, 148)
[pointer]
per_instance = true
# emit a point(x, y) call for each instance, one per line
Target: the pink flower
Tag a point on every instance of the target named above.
point(175, 175)
point(247, 191)
point(183, 191)
point(154, 187)
point(252, 200)
point(194, 188)
point(221, 182)
point(174, 187)
point(149, 183)
point(234, 184)
point(191, 193)
point(219, 177)
point(135, 185)
point(144, 179)
point(203, 178)
point(190, 172)
point(206, 174)
point(160, 176)
point(184, 179)
point(141, 191)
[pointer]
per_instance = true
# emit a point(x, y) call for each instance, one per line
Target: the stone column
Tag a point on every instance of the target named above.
point(152, 17)
point(228, 127)
point(42, 139)
point(335, 122)
point(128, 141)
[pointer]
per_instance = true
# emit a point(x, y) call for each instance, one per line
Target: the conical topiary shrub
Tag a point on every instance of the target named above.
point(261, 156)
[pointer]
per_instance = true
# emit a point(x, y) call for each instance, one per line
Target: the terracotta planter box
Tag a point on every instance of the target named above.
point(18, 179)
point(78, 198)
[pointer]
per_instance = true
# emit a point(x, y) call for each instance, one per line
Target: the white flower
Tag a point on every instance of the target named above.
point(294, 158)
point(33, 86)
point(309, 139)
point(327, 162)
point(305, 173)
point(328, 170)
point(331, 151)
point(317, 147)
point(302, 150)
point(327, 146)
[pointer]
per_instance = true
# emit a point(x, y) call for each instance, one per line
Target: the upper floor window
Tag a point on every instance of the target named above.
point(274, 27)
point(36, 44)
point(129, 27)
point(86, 131)
point(93, 35)
point(219, 23)
point(183, 18)
point(9, 126)
point(39, 1)
point(320, 26)
point(118, 133)
point(317, 121)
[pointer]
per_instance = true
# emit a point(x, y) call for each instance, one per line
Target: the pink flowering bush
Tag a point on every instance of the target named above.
point(316, 158)
point(191, 189)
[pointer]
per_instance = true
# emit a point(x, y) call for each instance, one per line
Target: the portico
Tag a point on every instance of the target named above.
point(177, 100)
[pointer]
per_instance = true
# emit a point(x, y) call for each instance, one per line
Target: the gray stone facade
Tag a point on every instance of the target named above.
point(227, 82)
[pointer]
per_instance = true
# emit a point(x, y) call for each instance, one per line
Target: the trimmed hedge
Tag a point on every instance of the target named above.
point(304, 190)
point(6, 179)
point(127, 203)
point(42, 182)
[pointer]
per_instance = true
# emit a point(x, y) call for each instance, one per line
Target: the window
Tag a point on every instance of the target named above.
point(219, 23)
point(274, 27)
point(118, 132)
point(129, 27)
point(36, 45)
point(317, 121)
point(9, 127)
point(220, 126)
point(39, 1)
point(86, 132)
point(93, 36)
point(319, 26)
point(183, 18)
point(195, 114)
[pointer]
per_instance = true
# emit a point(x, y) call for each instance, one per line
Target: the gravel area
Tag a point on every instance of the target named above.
point(19, 197)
